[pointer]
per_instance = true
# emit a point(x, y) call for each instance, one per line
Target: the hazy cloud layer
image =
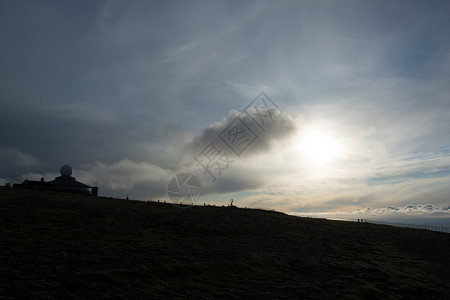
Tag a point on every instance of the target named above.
point(421, 210)
point(17, 158)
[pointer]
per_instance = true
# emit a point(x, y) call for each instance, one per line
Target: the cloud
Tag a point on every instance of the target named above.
point(277, 126)
point(303, 193)
point(174, 54)
point(242, 144)
point(11, 157)
point(139, 179)
point(77, 112)
point(410, 210)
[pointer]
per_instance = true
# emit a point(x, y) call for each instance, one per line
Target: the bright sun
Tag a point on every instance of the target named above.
point(320, 148)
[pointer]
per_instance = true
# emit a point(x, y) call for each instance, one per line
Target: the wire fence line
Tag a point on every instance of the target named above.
point(415, 226)
point(405, 225)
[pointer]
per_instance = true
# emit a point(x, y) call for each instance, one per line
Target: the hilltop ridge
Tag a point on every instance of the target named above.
point(56, 246)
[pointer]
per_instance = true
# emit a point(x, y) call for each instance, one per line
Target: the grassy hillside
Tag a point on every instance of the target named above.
point(63, 246)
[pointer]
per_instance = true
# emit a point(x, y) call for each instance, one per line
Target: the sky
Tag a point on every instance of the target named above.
point(308, 107)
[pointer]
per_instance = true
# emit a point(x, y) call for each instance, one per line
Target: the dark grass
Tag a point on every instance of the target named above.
point(65, 246)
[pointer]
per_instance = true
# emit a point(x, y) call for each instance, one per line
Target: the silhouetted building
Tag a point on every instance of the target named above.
point(32, 184)
point(64, 183)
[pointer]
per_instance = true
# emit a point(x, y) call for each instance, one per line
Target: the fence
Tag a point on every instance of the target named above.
point(415, 226)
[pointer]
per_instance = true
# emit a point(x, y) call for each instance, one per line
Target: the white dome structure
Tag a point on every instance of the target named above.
point(66, 183)
point(66, 170)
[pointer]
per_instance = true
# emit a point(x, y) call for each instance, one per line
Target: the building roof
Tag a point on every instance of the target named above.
point(67, 180)
point(68, 183)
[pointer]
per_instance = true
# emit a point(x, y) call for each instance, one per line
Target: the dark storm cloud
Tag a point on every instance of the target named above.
point(240, 174)
point(278, 126)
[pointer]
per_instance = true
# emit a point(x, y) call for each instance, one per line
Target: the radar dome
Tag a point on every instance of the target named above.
point(66, 170)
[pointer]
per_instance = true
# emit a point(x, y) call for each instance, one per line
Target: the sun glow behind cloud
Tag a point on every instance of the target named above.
point(320, 148)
